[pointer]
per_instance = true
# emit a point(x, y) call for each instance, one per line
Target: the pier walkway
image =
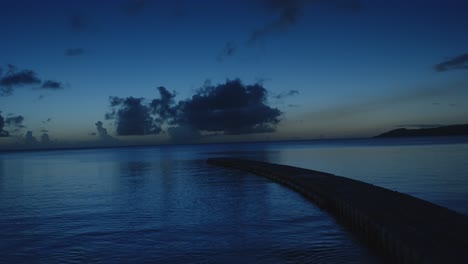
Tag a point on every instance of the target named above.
point(404, 228)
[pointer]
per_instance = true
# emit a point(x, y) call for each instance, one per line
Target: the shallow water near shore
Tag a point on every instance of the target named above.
point(166, 205)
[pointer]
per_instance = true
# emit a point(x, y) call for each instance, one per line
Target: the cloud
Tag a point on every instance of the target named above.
point(230, 108)
point(46, 121)
point(16, 121)
point(229, 49)
point(3, 133)
point(44, 131)
point(51, 85)
point(164, 106)
point(17, 78)
point(135, 7)
point(102, 132)
point(286, 94)
point(132, 116)
point(29, 139)
point(45, 138)
point(74, 52)
point(457, 63)
point(14, 78)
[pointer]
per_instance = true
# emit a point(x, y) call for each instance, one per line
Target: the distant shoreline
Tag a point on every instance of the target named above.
point(442, 131)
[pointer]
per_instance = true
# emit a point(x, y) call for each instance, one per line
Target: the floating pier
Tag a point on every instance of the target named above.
point(403, 228)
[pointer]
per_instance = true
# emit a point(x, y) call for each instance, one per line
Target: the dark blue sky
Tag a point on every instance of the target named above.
point(341, 68)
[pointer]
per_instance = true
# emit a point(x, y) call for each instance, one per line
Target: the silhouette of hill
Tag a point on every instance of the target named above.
point(452, 130)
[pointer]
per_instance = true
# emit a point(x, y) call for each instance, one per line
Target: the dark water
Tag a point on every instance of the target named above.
point(165, 205)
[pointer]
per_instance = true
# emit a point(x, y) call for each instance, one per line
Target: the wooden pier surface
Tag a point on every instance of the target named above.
point(404, 228)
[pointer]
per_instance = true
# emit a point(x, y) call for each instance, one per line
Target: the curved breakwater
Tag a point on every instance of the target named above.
point(404, 228)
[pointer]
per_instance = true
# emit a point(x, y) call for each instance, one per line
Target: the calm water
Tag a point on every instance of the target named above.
point(165, 205)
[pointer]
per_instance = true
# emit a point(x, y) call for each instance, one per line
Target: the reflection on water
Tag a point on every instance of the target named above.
point(165, 205)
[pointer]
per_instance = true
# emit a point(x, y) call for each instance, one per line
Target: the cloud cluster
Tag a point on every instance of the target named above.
point(230, 108)
point(3, 133)
point(457, 63)
point(29, 139)
point(227, 108)
point(15, 78)
point(16, 121)
point(45, 138)
point(102, 132)
point(132, 116)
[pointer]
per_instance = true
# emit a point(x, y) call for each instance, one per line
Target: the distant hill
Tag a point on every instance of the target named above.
point(453, 130)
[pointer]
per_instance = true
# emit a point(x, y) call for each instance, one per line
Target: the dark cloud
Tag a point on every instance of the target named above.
point(229, 49)
point(92, 133)
point(14, 78)
point(16, 121)
point(133, 117)
point(164, 106)
point(102, 132)
point(293, 105)
point(287, 94)
point(74, 52)
point(77, 23)
point(458, 63)
point(135, 7)
point(44, 131)
point(230, 108)
point(29, 139)
point(51, 85)
point(3, 133)
point(45, 138)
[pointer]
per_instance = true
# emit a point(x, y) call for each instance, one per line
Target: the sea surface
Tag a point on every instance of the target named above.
point(164, 204)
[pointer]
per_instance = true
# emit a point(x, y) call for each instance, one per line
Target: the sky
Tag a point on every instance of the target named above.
point(126, 72)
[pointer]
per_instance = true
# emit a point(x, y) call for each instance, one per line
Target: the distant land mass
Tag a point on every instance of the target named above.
point(452, 130)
